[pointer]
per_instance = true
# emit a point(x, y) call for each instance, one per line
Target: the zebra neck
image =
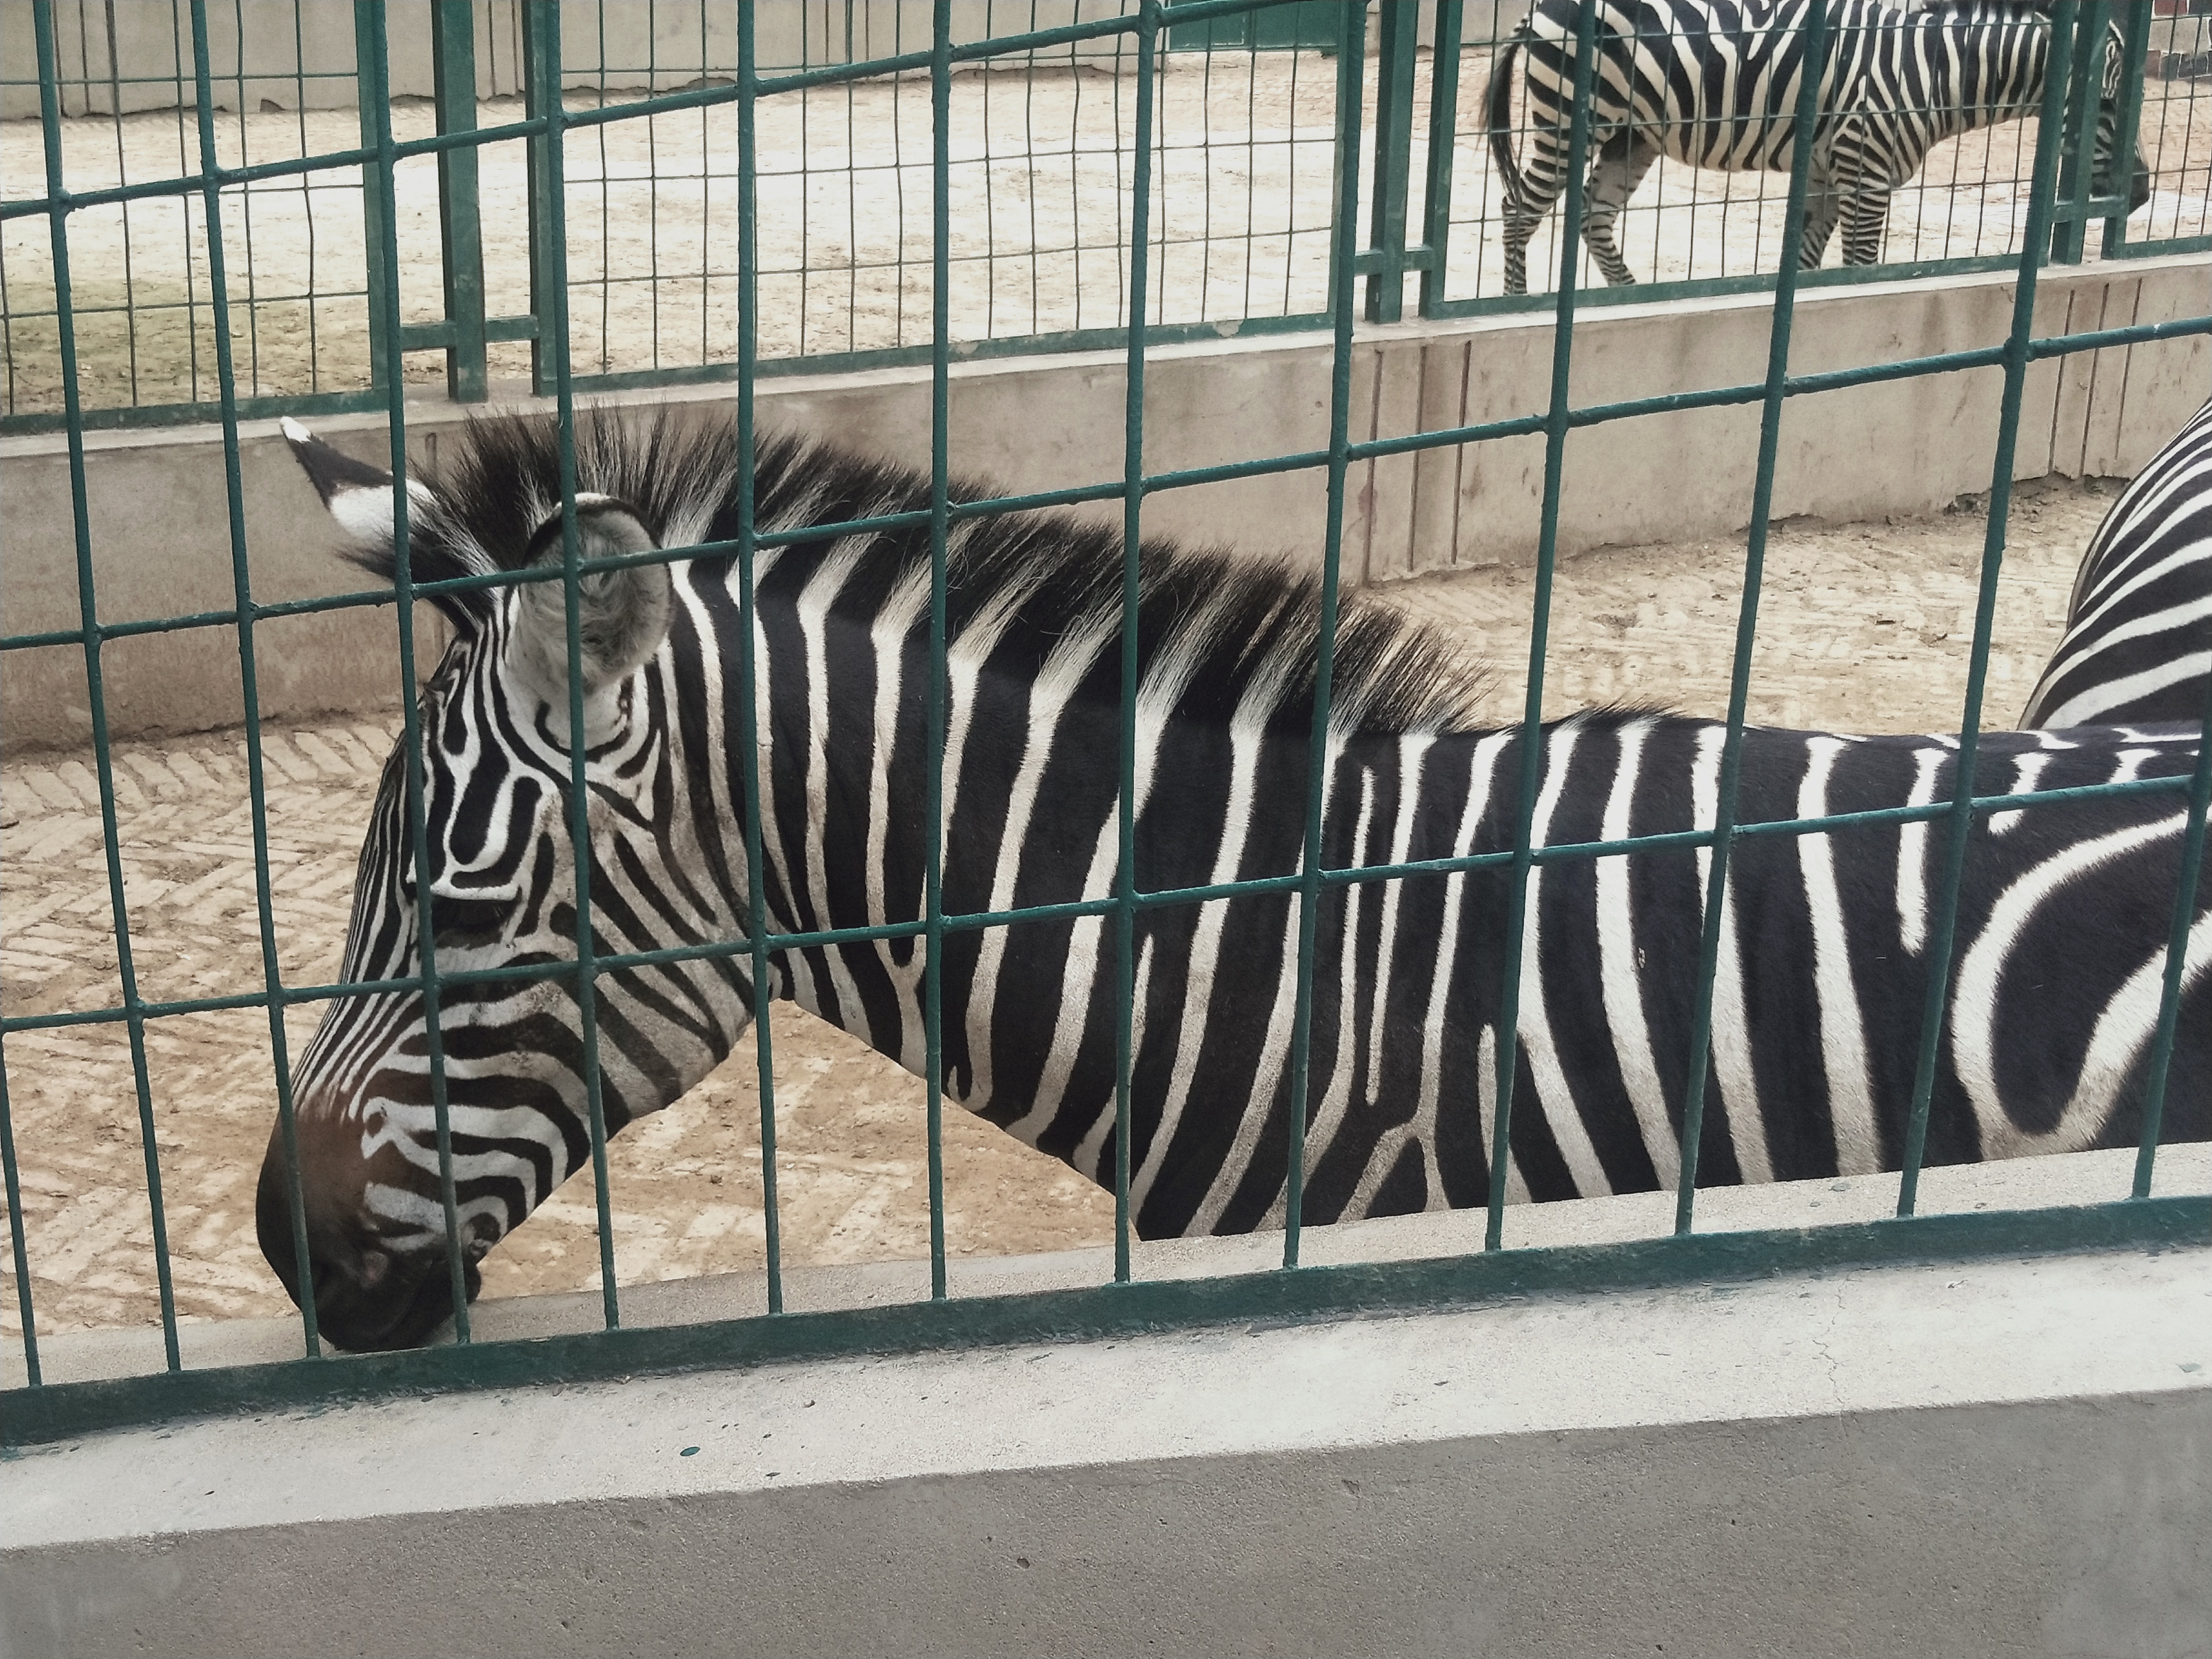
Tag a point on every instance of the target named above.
point(1951, 77)
point(1032, 1012)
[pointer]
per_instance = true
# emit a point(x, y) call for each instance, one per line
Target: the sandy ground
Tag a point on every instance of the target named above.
point(1864, 627)
point(1041, 161)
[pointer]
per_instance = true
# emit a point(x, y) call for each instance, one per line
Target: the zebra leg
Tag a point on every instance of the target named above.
point(1622, 161)
point(1525, 208)
point(1531, 189)
point(1820, 209)
point(1522, 219)
point(1820, 225)
point(1866, 219)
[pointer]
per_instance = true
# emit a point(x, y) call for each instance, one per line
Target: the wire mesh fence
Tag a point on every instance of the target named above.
point(1242, 155)
point(1243, 150)
point(556, 134)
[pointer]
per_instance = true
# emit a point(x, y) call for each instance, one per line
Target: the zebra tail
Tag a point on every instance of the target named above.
point(1499, 106)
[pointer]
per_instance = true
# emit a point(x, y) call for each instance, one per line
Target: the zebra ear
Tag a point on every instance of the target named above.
point(359, 495)
point(621, 614)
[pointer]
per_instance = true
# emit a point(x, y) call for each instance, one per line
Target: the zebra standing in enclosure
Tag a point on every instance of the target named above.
point(1816, 1004)
point(1714, 83)
point(2138, 640)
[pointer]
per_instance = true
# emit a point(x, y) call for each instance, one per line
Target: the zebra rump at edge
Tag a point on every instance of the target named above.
point(1816, 1009)
point(2138, 640)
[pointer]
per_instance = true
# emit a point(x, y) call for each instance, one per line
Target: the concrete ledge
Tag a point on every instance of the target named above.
point(161, 525)
point(2025, 1184)
point(2006, 1457)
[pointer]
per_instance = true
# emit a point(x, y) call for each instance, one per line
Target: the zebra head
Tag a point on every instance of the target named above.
point(2026, 78)
point(497, 864)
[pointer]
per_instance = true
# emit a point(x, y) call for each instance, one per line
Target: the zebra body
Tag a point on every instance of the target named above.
point(2138, 640)
point(1816, 1009)
point(1715, 83)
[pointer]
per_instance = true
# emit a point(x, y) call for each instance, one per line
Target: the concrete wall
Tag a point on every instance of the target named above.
point(161, 539)
point(1997, 1457)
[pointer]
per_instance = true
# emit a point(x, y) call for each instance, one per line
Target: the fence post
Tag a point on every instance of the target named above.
point(541, 91)
point(460, 236)
point(1444, 133)
point(2132, 62)
point(1385, 267)
point(2077, 172)
point(367, 45)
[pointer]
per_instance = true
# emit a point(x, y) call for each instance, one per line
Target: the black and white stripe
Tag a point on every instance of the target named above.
point(1714, 83)
point(1817, 1006)
point(2138, 640)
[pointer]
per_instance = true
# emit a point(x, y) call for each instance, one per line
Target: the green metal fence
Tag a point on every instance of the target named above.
point(1247, 125)
point(551, 129)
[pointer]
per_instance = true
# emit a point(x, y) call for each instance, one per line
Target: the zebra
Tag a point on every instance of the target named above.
point(2136, 647)
point(1821, 962)
point(1714, 83)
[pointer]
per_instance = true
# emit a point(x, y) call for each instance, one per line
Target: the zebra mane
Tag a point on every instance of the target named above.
point(1229, 631)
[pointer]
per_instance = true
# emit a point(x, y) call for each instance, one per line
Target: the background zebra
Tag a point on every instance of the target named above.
point(2138, 640)
point(1714, 83)
point(1816, 1007)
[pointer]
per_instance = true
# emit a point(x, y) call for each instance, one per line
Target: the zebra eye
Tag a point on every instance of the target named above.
point(466, 920)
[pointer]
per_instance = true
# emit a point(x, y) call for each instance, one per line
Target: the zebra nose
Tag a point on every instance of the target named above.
point(404, 1308)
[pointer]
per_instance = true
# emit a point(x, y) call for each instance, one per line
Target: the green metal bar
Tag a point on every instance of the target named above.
point(1556, 427)
point(2151, 249)
point(68, 1410)
point(460, 236)
point(1592, 415)
point(1393, 158)
point(1352, 52)
point(1190, 478)
point(535, 123)
point(2177, 957)
point(544, 21)
point(1132, 506)
point(1943, 924)
point(526, 328)
point(1811, 73)
point(384, 269)
point(249, 689)
point(641, 109)
point(542, 104)
point(144, 416)
point(368, 49)
point(1443, 153)
point(2076, 168)
point(940, 435)
point(748, 685)
point(42, 24)
point(18, 1241)
point(957, 921)
point(2128, 118)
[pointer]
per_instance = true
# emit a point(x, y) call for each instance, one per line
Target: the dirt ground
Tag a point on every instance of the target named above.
point(1040, 160)
point(1864, 627)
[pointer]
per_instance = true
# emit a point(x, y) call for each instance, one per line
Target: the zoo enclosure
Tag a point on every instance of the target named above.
point(1244, 142)
point(41, 1410)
